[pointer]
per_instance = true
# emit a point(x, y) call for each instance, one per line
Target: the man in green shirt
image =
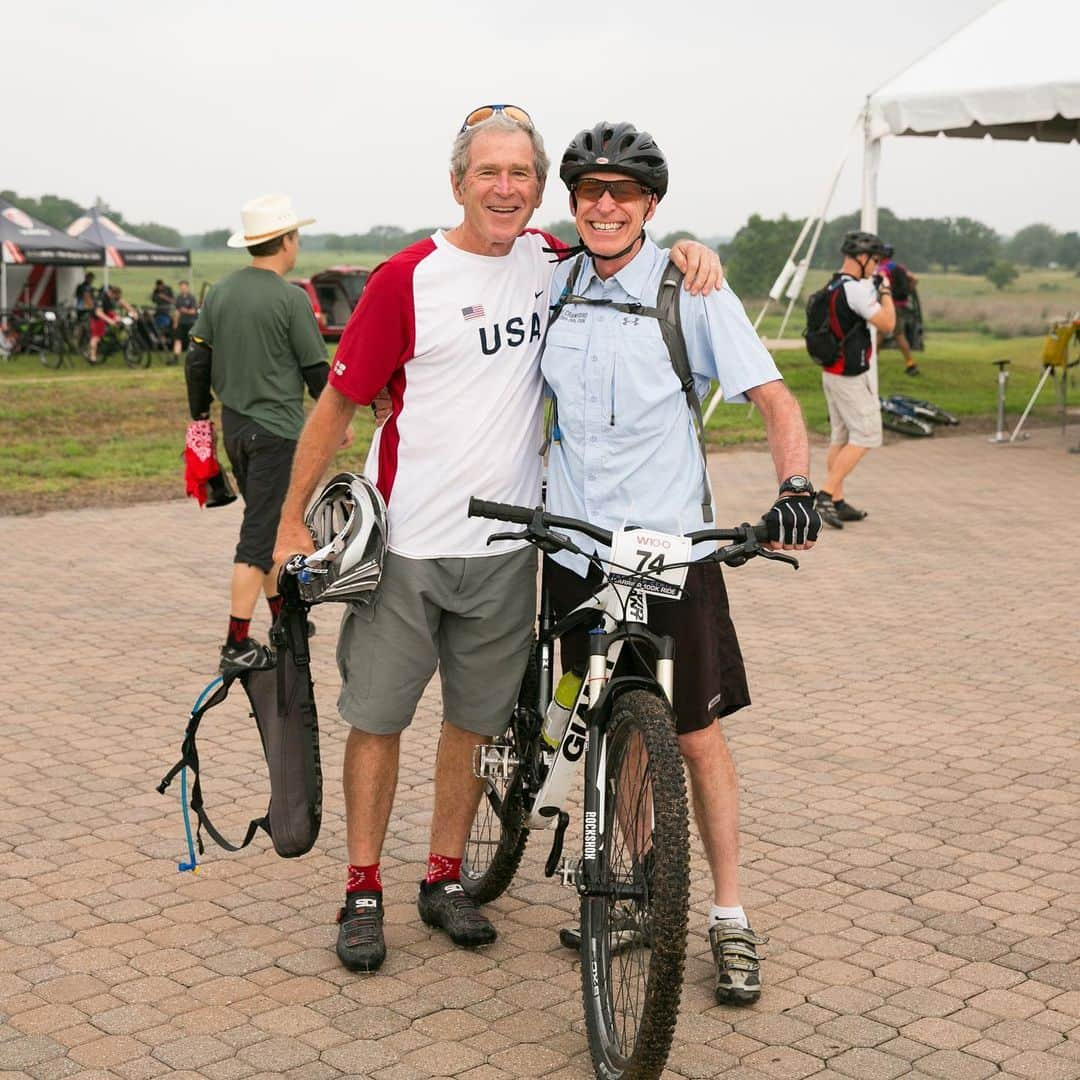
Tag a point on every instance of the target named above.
point(255, 346)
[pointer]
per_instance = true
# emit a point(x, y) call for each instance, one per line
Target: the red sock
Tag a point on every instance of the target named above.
point(275, 603)
point(442, 868)
point(364, 879)
point(239, 629)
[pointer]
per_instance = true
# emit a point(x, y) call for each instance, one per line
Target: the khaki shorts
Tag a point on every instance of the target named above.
point(472, 619)
point(854, 409)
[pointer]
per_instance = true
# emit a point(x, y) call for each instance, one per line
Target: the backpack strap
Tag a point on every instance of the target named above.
point(670, 318)
point(551, 418)
point(667, 314)
point(189, 758)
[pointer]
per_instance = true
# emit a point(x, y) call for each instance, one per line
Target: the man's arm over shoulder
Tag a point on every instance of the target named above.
point(380, 335)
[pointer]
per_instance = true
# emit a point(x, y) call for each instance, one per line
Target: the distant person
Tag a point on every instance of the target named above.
point(185, 314)
point(903, 283)
point(85, 294)
point(103, 315)
point(162, 299)
point(854, 410)
point(256, 345)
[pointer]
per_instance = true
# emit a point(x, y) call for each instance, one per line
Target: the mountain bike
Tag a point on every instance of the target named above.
point(633, 874)
point(33, 332)
point(122, 337)
point(903, 419)
point(925, 410)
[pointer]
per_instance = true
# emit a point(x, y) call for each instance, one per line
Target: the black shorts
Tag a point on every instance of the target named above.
point(183, 331)
point(261, 461)
point(710, 678)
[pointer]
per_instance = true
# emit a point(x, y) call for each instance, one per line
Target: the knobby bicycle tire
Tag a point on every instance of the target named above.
point(906, 425)
point(498, 835)
point(631, 994)
point(134, 354)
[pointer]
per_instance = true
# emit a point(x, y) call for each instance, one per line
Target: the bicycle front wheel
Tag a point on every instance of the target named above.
point(498, 836)
point(633, 936)
point(135, 355)
point(906, 424)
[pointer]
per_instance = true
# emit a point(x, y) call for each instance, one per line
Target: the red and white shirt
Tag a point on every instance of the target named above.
point(455, 338)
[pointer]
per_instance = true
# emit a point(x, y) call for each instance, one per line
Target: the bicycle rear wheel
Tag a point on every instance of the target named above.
point(633, 940)
point(905, 424)
point(498, 836)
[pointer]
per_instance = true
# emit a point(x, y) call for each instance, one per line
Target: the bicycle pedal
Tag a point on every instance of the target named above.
point(569, 873)
point(494, 761)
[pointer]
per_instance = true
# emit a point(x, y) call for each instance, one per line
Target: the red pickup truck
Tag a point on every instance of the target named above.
point(333, 294)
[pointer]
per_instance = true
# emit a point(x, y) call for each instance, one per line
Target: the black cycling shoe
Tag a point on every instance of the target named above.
point(738, 970)
point(912, 369)
point(846, 512)
point(625, 932)
point(247, 655)
point(446, 906)
point(827, 509)
point(360, 944)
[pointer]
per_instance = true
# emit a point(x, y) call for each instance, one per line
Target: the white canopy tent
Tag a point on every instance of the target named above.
point(1012, 73)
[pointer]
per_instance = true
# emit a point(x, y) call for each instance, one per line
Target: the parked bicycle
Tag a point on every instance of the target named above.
point(33, 332)
point(912, 416)
point(633, 872)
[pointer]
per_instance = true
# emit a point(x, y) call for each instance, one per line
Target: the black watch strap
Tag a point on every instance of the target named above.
point(797, 485)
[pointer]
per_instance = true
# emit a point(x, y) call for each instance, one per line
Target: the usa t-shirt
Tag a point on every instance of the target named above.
point(455, 338)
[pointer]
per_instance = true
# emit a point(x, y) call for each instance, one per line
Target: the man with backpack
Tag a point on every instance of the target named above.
point(626, 448)
point(838, 337)
point(902, 282)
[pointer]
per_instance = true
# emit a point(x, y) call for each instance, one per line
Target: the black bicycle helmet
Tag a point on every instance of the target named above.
point(887, 250)
point(862, 243)
point(618, 148)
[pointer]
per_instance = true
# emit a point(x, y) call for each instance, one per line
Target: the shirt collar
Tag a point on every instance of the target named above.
point(634, 277)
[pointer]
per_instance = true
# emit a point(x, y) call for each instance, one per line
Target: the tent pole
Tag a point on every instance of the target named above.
point(871, 161)
point(3, 284)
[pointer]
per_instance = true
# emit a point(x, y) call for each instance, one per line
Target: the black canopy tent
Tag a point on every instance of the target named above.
point(26, 242)
point(121, 248)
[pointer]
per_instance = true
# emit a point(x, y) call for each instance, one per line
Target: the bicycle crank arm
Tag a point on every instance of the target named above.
point(552, 863)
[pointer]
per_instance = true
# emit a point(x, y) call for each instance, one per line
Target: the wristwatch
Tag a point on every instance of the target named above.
point(797, 485)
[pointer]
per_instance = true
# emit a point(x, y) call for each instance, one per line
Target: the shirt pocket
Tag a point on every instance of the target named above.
point(564, 367)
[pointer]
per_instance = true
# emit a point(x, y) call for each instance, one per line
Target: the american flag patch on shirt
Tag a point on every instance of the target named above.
point(474, 312)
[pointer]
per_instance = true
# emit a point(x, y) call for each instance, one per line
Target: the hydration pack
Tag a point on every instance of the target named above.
point(840, 351)
point(283, 707)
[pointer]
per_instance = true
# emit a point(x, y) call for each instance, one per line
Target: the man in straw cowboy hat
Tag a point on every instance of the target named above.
point(255, 346)
point(452, 326)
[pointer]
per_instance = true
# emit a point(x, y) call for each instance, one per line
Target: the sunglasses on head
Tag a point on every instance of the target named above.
point(592, 190)
point(486, 112)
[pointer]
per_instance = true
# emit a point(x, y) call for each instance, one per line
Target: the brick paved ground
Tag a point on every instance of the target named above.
point(910, 793)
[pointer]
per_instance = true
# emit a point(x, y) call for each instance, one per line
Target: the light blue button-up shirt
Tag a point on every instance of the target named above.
point(627, 453)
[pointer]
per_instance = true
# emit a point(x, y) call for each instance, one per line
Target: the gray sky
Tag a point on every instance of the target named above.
point(180, 112)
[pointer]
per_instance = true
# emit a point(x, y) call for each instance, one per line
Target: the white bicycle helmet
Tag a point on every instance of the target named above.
point(349, 528)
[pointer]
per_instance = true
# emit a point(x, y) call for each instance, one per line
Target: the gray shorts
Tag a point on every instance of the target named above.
point(854, 409)
point(473, 619)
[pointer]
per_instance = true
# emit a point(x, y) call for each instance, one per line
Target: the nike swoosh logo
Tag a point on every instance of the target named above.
point(535, 295)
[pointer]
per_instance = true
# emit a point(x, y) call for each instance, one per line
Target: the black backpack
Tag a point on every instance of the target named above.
point(901, 283)
point(826, 339)
point(283, 707)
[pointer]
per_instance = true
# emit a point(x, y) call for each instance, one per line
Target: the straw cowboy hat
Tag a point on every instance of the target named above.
point(264, 218)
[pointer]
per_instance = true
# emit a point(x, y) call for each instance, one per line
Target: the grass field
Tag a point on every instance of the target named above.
point(85, 436)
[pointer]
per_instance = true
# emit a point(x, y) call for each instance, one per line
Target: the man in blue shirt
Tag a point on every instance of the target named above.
point(627, 452)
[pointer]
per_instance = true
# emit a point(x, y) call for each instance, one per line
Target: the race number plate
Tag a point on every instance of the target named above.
point(653, 562)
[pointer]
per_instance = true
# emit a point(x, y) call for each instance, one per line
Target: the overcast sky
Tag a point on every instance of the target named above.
point(180, 112)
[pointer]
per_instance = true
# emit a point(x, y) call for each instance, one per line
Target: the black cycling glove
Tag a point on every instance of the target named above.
point(793, 520)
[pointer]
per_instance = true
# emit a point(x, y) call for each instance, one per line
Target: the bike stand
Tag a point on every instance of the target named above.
point(1002, 435)
point(1048, 373)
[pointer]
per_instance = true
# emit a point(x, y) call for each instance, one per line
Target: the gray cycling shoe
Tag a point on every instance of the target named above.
point(738, 970)
point(446, 906)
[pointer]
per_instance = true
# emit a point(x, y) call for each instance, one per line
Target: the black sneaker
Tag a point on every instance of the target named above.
point(446, 906)
point(247, 655)
point(738, 971)
point(911, 369)
point(846, 512)
point(360, 944)
point(827, 509)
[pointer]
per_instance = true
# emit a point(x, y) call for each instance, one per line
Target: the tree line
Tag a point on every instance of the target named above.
point(60, 213)
point(961, 244)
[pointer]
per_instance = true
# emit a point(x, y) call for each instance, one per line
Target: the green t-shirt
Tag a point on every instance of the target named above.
point(262, 331)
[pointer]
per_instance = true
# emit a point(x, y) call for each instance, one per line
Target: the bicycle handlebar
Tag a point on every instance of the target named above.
point(539, 524)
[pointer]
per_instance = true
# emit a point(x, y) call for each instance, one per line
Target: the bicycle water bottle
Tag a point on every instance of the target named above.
point(561, 708)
